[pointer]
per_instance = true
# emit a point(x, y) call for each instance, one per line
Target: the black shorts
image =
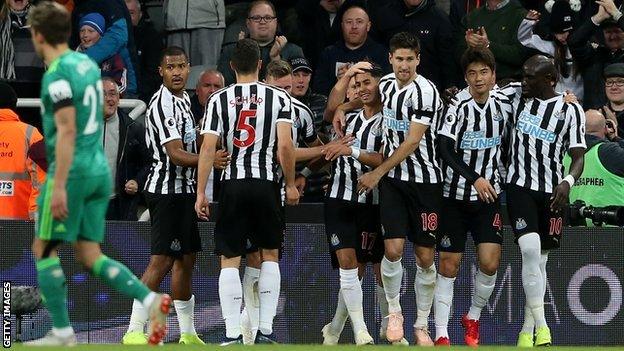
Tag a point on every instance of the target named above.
point(481, 219)
point(410, 210)
point(529, 212)
point(174, 224)
point(352, 225)
point(251, 247)
point(249, 212)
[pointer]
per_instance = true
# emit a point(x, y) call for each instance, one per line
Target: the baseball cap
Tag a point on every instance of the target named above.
point(614, 70)
point(299, 63)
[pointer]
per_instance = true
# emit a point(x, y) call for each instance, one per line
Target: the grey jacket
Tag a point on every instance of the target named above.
point(193, 14)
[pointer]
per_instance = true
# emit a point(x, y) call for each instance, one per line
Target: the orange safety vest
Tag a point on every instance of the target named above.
point(20, 177)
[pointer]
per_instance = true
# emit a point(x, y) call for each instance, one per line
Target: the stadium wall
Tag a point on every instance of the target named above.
point(583, 300)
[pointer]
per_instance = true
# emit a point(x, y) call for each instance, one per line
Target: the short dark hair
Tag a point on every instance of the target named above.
point(260, 2)
point(8, 97)
point(172, 51)
point(52, 21)
point(404, 40)
point(278, 69)
point(480, 55)
point(246, 56)
point(375, 71)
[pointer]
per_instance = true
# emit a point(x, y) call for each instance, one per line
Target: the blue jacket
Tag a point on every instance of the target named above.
point(118, 38)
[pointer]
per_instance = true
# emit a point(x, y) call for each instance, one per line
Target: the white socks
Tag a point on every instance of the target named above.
point(269, 290)
point(424, 286)
point(251, 298)
point(185, 311)
point(231, 296)
point(65, 332)
point(340, 317)
point(484, 285)
point(351, 291)
point(138, 318)
point(443, 302)
point(391, 276)
point(532, 279)
point(529, 323)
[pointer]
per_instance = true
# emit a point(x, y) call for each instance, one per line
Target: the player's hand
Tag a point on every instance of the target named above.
point(292, 195)
point(300, 183)
point(345, 140)
point(339, 122)
point(334, 151)
point(485, 190)
point(560, 197)
point(131, 187)
point(533, 15)
point(569, 97)
point(278, 45)
point(342, 71)
point(358, 68)
point(59, 203)
point(368, 181)
point(202, 207)
point(222, 159)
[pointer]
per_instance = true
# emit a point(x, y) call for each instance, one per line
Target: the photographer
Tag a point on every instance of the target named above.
point(602, 180)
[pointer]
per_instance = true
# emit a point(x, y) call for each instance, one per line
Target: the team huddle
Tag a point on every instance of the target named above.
point(404, 165)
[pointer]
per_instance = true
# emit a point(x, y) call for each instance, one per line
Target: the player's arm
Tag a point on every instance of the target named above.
point(286, 154)
point(65, 120)
point(369, 180)
point(339, 91)
point(179, 156)
point(561, 194)
point(207, 155)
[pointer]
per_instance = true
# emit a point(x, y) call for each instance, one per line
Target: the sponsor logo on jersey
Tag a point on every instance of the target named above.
point(6, 187)
point(395, 124)
point(530, 124)
point(520, 224)
point(175, 245)
point(477, 141)
point(445, 242)
point(334, 240)
point(60, 228)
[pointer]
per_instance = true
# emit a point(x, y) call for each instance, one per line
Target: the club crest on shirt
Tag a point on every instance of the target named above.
point(297, 122)
point(559, 115)
point(498, 116)
point(376, 130)
point(407, 103)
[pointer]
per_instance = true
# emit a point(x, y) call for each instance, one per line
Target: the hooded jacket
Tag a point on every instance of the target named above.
point(192, 14)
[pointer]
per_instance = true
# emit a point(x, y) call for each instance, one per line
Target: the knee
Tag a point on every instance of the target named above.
point(347, 261)
point(270, 255)
point(253, 259)
point(393, 253)
point(44, 249)
point(160, 263)
point(424, 257)
point(530, 253)
point(449, 267)
point(490, 267)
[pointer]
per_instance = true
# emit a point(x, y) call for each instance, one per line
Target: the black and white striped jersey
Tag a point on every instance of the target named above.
point(169, 118)
point(303, 124)
point(245, 116)
point(543, 131)
point(478, 131)
point(417, 102)
point(345, 169)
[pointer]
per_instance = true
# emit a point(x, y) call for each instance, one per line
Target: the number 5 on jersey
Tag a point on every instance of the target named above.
point(243, 125)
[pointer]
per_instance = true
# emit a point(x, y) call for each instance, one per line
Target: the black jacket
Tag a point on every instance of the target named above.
point(316, 31)
point(325, 73)
point(149, 46)
point(133, 162)
point(433, 28)
point(594, 58)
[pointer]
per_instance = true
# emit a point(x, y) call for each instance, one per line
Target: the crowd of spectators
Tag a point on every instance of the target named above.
point(321, 39)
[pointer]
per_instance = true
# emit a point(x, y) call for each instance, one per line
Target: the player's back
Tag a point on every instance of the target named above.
point(245, 116)
point(74, 79)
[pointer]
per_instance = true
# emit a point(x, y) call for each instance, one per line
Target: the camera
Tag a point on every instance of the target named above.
point(610, 215)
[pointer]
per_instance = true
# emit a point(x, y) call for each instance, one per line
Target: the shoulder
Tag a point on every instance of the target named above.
point(300, 105)
point(279, 92)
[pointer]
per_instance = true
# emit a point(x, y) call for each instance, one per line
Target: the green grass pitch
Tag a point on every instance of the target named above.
point(175, 347)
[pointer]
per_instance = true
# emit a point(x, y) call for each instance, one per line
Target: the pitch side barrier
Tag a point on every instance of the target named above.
point(583, 298)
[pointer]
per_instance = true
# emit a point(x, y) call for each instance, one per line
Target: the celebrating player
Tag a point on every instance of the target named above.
point(545, 127)
point(470, 147)
point(411, 193)
point(73, 202)
point(352, 219)
point(253, 119)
